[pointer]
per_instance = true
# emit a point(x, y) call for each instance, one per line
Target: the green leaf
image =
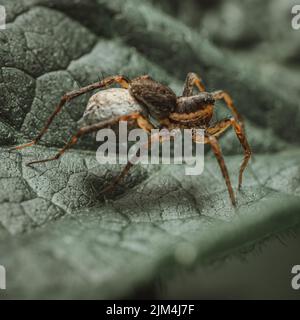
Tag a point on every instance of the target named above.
point(59, 237)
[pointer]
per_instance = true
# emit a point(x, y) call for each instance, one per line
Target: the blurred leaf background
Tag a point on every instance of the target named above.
point(162, 234)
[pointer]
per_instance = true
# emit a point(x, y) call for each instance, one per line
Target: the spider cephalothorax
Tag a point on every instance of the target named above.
point(154, 105)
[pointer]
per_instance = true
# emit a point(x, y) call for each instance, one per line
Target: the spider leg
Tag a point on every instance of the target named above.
point(218, 153)
point(71, 95)
point(131, 162)
point(118, 179)
point(220, 127)
point(240, 133)
point(192, 79)
point(85, 130)
point(219, 95)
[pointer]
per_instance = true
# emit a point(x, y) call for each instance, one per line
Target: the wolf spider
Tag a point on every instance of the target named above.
point(154, 105)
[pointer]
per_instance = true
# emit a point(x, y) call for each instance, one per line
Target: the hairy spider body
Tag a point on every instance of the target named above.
point(158, 99)
point(154, 105)
point(195, 111)
point(188, 112)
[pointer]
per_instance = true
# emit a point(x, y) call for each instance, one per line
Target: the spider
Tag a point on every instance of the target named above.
point(153, 105)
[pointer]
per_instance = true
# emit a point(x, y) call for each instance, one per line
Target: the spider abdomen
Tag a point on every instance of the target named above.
point(156, 98)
